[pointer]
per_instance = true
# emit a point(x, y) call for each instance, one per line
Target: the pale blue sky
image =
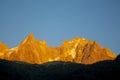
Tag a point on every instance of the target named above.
point(56, 20)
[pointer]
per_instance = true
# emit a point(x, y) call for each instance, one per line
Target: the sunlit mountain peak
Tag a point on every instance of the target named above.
point(79, 50)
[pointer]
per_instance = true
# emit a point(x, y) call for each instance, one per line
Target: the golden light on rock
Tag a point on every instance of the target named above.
point(77, 50)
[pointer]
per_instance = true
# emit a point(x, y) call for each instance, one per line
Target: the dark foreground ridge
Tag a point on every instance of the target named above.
point(109, 69)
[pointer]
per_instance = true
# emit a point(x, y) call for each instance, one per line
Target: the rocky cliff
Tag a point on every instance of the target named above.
point(77, 50)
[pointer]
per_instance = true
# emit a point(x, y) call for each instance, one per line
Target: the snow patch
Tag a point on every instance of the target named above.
point(72, 52)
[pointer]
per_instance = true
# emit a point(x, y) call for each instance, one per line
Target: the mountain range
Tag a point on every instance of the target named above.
point(78, 50)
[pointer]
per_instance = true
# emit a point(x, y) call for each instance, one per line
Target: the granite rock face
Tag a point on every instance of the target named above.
point(77, 50)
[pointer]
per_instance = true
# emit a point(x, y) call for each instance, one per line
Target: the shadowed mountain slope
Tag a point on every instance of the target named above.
point(104, 70)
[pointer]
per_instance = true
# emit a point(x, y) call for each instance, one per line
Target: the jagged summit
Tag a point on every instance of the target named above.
point(77, 50)
point(3, 49)
point(3, 46)
point(29, 38)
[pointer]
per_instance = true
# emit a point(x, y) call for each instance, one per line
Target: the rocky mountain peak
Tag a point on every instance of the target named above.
point(3, 46)
point(28, 39)
point(79, 50)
